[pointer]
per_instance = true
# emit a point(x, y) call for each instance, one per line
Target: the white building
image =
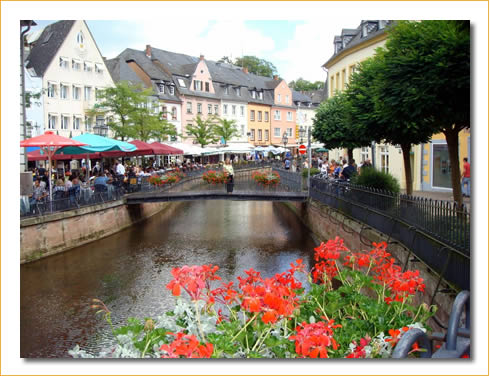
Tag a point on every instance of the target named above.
point(67, 60)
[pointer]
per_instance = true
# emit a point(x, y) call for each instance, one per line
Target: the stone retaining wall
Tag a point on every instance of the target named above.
point(326, 223)
point(54, 233)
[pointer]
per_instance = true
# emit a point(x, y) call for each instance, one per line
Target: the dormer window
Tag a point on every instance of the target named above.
point(261, 95)
point(161, 88)
point(197, 85)
point(382, 24)
point(171, 90)
point(237, 91)
point(206, 86)
point(364, 30)
point(254, 94)
point(181, 82)
point(227, 90)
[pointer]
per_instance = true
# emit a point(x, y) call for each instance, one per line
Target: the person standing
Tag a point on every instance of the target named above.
point(229, 172)
point(465, 178)
point(287, 164)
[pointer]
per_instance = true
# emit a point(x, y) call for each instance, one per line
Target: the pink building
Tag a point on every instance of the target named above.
point(283, 115)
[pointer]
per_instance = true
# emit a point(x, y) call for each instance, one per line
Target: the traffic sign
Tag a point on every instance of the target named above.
point(302, 149)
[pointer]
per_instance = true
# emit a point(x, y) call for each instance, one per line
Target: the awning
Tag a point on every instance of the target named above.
point(165, 149)
point(189, 149)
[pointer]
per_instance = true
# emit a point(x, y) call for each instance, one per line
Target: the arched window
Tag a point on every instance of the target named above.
point(80, 38)
point(174, 113)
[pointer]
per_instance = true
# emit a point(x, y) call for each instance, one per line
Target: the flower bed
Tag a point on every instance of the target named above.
point(266, 178)
point(360, 311)
point(213, 177)
point(169, 178)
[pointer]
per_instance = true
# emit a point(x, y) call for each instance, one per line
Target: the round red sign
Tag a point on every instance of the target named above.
point(302, 149)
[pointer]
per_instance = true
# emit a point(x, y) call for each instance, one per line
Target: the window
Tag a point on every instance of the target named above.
point(216, 109)
point(290, 116)
point(76, 93)
point(161, 88)
point(242, 110)
point(252, 134)
point(100, 122)
point(99, 68)
point(76, 65)
point(197, 85)
point(181, 83)
point(227, 90)
point(207, 87)
point(87, 93)
point(52, 121)
point(290, 132)
point(64, 63)
point(344, 82)
point(259, 116)
point(441, 166)
point(174, 113)
point(261, 95)
point(88, 124)
point(51, 90)
point(189, 108)
point(64, 122)
point(266, 116)
point(199, 108)
point(277, 115)
point(188, 126)
point(287, 99)
point(87, 66)
point(76, 123)
point(278, 98)
point(364, 153)
point(80, 38)
point(233, 109)
point(242, 127)
point(252, 115)
point(63, 91)
point(237, 91)
point(385, 159)
point(260, 134)
point(254, 94)
point(337, 81)
point(266, 135)
point(210, 109)
point(277, 132)
point(225, 109)
point(171, 90)
point(97, 94)
point(164, 112)
point(332, 81)
point(155, 107)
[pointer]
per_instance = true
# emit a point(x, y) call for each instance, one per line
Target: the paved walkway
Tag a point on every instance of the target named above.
point(445, 196)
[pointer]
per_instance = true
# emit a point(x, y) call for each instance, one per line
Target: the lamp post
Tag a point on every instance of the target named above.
point(309, 159)
point(302, 132)
point(285, 140)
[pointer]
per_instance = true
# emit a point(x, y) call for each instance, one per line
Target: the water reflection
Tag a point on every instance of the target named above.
point(129, 270)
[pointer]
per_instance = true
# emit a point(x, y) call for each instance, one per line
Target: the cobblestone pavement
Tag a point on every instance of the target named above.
point(446, 196)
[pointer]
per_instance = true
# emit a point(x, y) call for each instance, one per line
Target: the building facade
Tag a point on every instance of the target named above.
point(66, 59)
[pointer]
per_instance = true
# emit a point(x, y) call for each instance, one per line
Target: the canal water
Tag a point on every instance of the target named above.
point(129, 270)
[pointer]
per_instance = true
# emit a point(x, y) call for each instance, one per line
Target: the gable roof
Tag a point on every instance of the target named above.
point(47, 45)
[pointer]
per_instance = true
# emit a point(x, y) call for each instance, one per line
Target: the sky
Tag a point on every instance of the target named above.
point(296, 48)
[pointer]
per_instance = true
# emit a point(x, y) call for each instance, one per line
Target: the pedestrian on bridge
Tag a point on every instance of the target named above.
point(229, 173)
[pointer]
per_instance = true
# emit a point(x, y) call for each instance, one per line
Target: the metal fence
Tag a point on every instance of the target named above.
point(437, 232)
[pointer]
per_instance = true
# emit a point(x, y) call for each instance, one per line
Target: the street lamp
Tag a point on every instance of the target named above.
point(302, 132)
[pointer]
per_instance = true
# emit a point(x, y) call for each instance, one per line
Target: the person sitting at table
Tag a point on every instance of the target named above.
point(68, 183)
point(38, 194)
point(60, 186)
point(101, 179)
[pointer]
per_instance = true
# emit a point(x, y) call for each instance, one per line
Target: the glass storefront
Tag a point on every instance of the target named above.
point(441, 166)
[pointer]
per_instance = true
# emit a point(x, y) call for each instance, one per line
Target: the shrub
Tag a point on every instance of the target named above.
point(313, 171)
point(372, 178)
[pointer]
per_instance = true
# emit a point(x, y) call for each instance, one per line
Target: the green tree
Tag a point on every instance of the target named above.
point(225, 59)
point(226, 129)
point(369, 111)
point(32, 98)
point(333, 126)
point(427, 81)
point(256, 65)
point(305, 85)
point(120, 101)
point(146, 125)
point(203, 131)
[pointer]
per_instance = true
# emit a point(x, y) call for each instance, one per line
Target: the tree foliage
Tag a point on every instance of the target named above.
point(131, 117)
point(226, 129)
point(333, 126)
point(256, 65)
point(426, 81)
point(203, 131)
point(305, 85)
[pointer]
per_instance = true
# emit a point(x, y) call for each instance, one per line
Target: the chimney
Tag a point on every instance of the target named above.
point(148, 51)
point(276, 77)
point(201, 57)
point(245, 70)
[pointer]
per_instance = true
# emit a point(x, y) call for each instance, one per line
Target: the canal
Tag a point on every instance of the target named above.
point(129, 270)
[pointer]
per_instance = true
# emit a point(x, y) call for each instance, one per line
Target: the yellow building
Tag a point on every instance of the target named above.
point(259, 124)
point(429, 161)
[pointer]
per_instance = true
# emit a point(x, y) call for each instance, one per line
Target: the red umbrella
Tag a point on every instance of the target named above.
point(50, 143)
point(143, 148)
point(37, 156)
point(166, 149)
